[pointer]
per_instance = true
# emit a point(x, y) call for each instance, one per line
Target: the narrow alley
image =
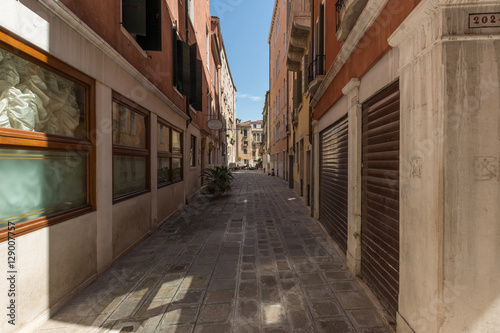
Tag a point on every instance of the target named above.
point(250, 261)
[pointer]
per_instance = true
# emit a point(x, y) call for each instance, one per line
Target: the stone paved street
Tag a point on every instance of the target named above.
point(251, 261)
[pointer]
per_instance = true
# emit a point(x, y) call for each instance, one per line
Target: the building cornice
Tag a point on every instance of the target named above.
point(273, 19)
point(61, 11)
point(364, 22)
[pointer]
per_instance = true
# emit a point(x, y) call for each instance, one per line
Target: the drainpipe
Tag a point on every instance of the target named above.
point(311, 136)
point(187, 41)
point(288, 125)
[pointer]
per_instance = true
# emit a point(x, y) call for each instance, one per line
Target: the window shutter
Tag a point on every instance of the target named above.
point(182, 68)
point(193, 52)
point(198, 105)
point(321, 36)
point(196, 66)
point(174, 56)
point(186, 63)
point(152, 40)
point(316, 40)
point(134, 16)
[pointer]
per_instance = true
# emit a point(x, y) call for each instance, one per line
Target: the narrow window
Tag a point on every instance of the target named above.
point(169, 166)
point(130, 149)
point(193, 151)
point(142, 20)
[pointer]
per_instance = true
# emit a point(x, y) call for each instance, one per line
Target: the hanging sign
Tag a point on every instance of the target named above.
point(215, 124)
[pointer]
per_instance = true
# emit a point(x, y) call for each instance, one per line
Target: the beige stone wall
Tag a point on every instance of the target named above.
point(449, 170)
point(131, 222)
point(170, 199)
point(55, 263)
point(51, 264)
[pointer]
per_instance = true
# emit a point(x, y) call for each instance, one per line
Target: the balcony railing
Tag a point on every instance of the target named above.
point(317, 67)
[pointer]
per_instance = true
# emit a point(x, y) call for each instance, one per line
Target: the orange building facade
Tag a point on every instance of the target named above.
point(278, 116)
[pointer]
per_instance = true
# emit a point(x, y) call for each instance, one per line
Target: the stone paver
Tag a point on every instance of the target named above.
point(250, 261)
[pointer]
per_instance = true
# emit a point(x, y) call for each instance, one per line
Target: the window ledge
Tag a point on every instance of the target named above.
point(133, 41)
point(24, 228)
point(129, 195)
point(193, 109)
point(163, 185)
point(178, 92)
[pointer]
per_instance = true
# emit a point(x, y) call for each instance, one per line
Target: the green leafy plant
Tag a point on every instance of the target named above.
point(217, 180)
point(259, 163)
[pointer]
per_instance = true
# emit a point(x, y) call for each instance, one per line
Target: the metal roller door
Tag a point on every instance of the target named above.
point(333, 181)
point(380, 196)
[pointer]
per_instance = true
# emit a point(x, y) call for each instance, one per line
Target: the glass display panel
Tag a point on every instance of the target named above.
point(129, 127)
point(40, 183)
point(164, 170)
point(163, 138)
point(176, 142)
point(33, 98)
point(177, 168)
point(129, 174)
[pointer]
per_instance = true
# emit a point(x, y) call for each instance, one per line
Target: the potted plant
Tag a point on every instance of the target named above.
point(218, 180)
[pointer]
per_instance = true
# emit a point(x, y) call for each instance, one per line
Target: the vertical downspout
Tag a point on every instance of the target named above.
point(187, 102)
point(287, 126)
point(187, 41)
point(311, 114)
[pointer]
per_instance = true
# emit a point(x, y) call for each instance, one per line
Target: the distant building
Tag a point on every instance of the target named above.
point(249, 137)
point(278, 90)
point(266, 157)
point(227, 103)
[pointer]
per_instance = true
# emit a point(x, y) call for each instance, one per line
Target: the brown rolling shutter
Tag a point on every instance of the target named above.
point(333, 181)
point(380, 196)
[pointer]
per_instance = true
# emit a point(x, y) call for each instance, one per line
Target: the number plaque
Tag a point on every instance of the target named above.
point(484, 20)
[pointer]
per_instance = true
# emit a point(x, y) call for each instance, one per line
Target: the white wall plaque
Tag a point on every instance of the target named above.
point(484, 20)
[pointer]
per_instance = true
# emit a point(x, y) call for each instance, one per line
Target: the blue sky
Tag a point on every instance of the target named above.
point(245, 28)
